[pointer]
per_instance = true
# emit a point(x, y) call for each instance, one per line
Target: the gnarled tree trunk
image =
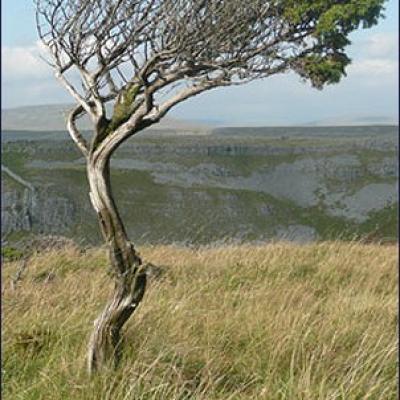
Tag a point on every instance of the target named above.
point(126, 265)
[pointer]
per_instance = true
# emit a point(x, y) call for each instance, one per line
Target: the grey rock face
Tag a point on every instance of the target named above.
point(265, 210)
point(373, 197)
point(386, 168)
point(36, 211)
point(296, 233)
point(55, 214)
point(16, 211)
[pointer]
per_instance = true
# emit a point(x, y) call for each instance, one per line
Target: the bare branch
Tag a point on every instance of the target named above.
point(192, 91)
point(75, 94)
point(151, 45)
point(74, 132)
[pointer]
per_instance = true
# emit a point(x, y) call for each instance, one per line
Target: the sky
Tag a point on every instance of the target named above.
point(369, 90)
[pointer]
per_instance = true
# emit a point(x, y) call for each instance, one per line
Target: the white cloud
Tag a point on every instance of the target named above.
point(369, 89)
point(374, 67)
point(23, 63)
point(376, 61)
point(381, 45)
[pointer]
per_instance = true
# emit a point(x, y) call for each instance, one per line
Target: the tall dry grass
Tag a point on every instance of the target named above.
point(278, 321)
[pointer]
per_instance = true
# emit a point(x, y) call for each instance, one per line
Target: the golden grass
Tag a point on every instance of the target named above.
point(277, 321)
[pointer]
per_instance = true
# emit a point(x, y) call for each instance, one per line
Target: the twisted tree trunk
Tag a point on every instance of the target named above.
point(128, 270)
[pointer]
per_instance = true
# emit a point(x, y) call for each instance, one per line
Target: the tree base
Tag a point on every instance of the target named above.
point(105, 345)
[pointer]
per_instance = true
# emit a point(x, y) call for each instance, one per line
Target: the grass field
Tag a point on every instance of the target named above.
point(277, 321)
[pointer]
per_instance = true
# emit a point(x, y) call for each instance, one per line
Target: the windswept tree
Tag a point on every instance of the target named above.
point(145, 57)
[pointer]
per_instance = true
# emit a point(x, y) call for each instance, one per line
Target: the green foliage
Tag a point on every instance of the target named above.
point(332, 15)
point(382, 224)
point(331, 21)
point(123, 107)
point(9, 253)
point(322, 70)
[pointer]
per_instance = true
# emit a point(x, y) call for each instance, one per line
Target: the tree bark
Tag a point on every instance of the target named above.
point(126, 265)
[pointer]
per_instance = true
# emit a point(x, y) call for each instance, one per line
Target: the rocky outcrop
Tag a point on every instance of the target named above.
point(388, 167)
point(296, 233)
point(30, 209)
point(16, 211)
point(53, 214)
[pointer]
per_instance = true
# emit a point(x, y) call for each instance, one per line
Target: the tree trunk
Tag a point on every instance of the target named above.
point(129, 273)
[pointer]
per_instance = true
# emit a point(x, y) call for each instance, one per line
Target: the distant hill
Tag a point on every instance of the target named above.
point(52, 118)
point(354, 121)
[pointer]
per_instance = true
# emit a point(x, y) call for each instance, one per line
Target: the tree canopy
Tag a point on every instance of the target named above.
point(149, 55)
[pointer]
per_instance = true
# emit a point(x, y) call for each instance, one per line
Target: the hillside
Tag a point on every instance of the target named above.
point(51, 117)
point(242, 184)
point(352, 120)
point(272, 322)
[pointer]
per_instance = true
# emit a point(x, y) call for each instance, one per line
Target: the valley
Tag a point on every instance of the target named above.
point(229, 184)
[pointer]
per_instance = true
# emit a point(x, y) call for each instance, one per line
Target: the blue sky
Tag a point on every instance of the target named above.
point(369, 90)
